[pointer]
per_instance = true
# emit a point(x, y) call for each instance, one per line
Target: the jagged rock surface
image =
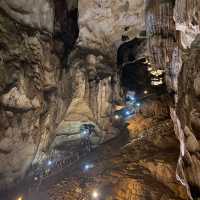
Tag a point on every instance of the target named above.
point(37, 93)
point(143, 169)
point(181, 63)
point(40, 87)
point(33, 13)
point(102, 23)
point(34, 94)
point(96, 84)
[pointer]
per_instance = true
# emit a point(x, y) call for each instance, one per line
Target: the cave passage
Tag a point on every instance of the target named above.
point(135, 76)
point(136, 73)
point(99, 100)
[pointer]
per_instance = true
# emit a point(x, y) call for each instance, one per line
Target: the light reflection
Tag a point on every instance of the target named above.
point(20, 198)
point(117, 117)
point(138, 104)
point(49, 163)
point(160, 82)
point(157, 72)
point(95, 194)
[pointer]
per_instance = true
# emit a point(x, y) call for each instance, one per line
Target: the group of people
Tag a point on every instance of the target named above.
point(46, 169)
point(51, 166)
point(86, 131)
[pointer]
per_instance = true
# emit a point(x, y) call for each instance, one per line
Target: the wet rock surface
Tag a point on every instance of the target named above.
point(46, 94)
point(143, 169)
point(34, 88)
point(42, 86)
point(31, 91)
point(180, 57)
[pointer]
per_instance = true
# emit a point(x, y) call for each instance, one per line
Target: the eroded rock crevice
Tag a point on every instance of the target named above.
point(179, 57)
point(45, 90)
point(34, 92)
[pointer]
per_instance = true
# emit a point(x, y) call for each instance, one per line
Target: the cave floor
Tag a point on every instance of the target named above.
point(41, 190)
point(142, 169)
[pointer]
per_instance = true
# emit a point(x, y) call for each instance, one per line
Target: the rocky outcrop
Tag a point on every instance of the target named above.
point(182, 79)
point(151, 112)
point(114, 18)
point(95, 87)
point(46, 93)
point(35, 14)
point(186, 15)
point(143, 169)
point(34, 87)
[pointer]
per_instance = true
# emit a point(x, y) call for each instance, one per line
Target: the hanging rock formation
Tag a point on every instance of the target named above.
point(92, 63)
point(178, 50)
point(48, 89)
point(103, 22)
point(35, 90)
point(44, 90)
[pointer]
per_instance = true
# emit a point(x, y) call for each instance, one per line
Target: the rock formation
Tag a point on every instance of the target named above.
point(43, 88)
point(35, 90)
point(143, 169)
point(114, 18)
point(58, 70)
point(178, 50)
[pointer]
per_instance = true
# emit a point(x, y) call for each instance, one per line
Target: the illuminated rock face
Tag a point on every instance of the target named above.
point(103, 22)
point(34, 13)
point(35, 91)
point(41, 97)
point(142, 170)
point(95, 86)
point(92, 64)
point(182, 79)
point(186, 15)
point(38, 90)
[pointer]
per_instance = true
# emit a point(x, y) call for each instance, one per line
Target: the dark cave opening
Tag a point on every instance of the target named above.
point(195, 192)
point(128, 50)
point(135, 73)
point(66, 28)
point(135, 77)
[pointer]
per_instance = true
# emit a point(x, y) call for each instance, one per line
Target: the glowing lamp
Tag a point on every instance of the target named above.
point(49, 163)
point(84, 132)
point(20, 198)
point(95, 194)
point(132, 98)
point(116, 116)
point(87, 167)
point(138, 104)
